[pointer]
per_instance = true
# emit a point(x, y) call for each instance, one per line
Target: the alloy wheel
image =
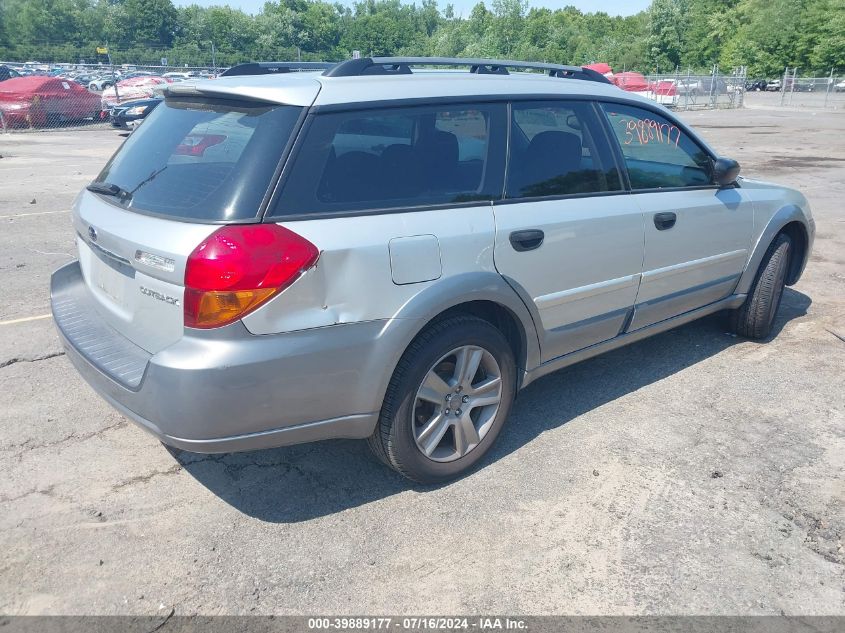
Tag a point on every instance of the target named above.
point(456, 404)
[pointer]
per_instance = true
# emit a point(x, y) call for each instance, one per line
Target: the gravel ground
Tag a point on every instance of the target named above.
point(692, 473)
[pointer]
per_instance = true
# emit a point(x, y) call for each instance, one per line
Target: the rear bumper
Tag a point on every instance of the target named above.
point(227, 390)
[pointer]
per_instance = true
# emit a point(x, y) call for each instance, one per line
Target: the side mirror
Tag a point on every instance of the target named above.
point(725, 171)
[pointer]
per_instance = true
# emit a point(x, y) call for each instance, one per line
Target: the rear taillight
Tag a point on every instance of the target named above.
point(239, 267)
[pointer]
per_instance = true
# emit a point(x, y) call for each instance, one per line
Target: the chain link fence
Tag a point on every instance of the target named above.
point(80, 96)
point(87, 96)
point(812, 92)
point(692, 91)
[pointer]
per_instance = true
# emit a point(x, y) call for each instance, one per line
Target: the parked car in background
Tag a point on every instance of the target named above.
point(101, 83)
point(839, 87)
point(756, 86)
point(664, 91)
point(41, 100)
point(129, 115)
point(132, 89)
point(8, 73)
point(178, 76)
point(773, 86)
point(83, 79)
point(702, 86)
point(138, 73)
point(416, 261)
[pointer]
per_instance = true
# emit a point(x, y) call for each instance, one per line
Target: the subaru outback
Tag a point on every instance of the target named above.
point(387, 249)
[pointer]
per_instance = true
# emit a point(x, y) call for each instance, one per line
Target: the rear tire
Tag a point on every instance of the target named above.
point(53, 120)
point(754, 318)
point(429, 436)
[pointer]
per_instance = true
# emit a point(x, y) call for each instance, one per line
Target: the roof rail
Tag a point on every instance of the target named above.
point(402, 66)
point(267, 68)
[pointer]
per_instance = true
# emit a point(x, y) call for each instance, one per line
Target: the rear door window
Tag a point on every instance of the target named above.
point(658, 154)
point(370, 160)
point(202, 160)
point(558, 149)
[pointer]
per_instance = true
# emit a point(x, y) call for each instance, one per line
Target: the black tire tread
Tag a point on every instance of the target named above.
point(752, 319)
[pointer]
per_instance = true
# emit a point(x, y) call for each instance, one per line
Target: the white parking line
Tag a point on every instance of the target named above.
point(25, 319)
point(23, 215)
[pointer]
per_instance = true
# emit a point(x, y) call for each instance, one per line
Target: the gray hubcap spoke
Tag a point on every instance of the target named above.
point(434, 389)
point(466, 435)
point(469, 358)
point(485, 401)
point(456, 404)
point(433, 432)
point(486, 386)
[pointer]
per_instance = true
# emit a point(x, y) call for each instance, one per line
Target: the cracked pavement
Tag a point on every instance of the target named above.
point(692, 473)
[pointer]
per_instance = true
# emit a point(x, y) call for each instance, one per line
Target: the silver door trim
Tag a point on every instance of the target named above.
point(582, 292)
point(674, 269)
point(732, 301)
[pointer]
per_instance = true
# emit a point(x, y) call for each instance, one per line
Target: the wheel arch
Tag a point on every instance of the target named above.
point(485, 295)
point(791, 220)
point(500, 317)
point(797, 232)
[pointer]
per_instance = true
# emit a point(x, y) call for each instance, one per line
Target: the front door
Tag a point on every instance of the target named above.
point(697, 235)
point(568, 238)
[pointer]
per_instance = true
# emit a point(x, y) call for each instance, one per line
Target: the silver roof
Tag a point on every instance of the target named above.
point(312, 88)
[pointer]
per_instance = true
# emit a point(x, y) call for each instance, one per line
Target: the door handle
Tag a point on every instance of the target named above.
point(527, 240)
point(663, 221)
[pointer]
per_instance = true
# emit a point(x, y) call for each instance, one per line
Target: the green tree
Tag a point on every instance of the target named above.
point(42, 21)
point(766, 35)
point(765, 38)
point(149, 22)
point(667, 33)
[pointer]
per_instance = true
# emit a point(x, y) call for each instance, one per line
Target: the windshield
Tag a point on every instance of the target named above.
point(206, 160)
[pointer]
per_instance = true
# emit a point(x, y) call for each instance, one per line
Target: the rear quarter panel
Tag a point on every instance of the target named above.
point(353, 280)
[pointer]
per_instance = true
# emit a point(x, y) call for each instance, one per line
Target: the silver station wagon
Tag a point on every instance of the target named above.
point(389, 249)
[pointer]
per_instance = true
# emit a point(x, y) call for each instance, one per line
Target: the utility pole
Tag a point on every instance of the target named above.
point(783, 85)
point(113, 78)
point(829, 87)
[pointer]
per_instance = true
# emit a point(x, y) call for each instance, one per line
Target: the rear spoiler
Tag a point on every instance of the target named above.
point(214, 90)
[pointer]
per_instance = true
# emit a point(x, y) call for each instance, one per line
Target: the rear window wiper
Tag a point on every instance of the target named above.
point(109, 189)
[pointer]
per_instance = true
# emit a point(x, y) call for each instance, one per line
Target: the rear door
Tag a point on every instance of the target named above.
point(697, 235)
point(195, 164)
point(568, 237)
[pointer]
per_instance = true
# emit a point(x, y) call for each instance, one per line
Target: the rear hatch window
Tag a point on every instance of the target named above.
point(200, 160)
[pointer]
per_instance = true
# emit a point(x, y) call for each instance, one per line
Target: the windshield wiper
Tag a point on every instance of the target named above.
point(146, 180)
point(108, 189)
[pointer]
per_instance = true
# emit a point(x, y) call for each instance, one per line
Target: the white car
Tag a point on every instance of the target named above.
point(101, 83)
point(177, 76)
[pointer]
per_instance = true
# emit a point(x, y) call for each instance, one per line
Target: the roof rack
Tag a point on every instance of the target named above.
point(402, 66)
point(268, 68)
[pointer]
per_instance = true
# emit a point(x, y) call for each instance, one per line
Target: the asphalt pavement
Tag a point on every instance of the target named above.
point(691, 473)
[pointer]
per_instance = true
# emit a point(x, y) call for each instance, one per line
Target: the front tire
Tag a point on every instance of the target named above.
point(447, 401)
point(754, 318)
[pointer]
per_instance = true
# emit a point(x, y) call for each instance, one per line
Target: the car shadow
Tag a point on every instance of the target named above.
point(298, 483)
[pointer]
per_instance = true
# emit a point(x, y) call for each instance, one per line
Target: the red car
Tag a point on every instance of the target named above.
point(39, 101)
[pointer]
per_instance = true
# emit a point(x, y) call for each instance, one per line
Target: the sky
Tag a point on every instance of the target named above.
point(463, 7)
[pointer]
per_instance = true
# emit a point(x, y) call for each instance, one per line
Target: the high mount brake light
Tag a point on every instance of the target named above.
point(238, 268)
